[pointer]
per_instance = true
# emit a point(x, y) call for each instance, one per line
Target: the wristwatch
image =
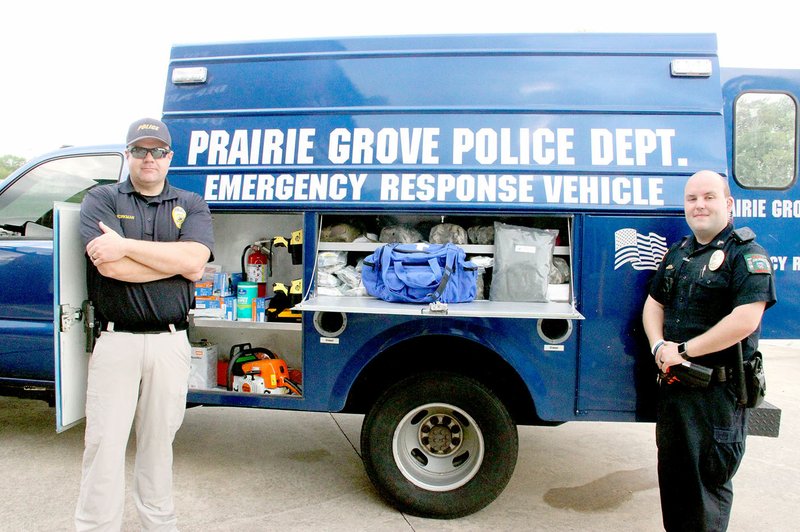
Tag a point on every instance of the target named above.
point(682, 350)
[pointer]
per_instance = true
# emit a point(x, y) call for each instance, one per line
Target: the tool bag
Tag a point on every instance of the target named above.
point(420, 273)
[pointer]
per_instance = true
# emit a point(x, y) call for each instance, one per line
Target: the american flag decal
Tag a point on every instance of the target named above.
point(643, 252)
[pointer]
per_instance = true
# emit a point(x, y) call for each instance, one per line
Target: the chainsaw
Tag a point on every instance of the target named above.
point(258, 370)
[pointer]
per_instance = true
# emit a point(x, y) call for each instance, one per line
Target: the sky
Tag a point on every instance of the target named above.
point(79, 72)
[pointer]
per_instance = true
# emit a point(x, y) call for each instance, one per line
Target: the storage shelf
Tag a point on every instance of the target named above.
point(475, 309)
point(269, 325)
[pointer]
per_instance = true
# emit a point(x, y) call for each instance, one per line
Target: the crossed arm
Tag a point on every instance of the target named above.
point(140, 261)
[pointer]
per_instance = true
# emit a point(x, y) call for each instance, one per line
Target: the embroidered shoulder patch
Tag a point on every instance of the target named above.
point(758, 263)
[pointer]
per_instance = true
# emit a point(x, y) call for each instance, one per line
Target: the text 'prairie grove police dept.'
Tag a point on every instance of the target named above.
point(518, 147)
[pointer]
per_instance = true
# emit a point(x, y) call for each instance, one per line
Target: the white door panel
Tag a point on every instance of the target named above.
point(71, 358)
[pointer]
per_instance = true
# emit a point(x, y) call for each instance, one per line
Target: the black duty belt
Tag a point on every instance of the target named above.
point(147, 328)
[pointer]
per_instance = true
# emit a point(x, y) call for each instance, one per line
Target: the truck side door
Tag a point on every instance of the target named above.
point(761, 115)
point(26, 263)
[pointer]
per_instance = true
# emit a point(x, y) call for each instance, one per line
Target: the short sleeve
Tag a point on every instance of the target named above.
point(753, 278)
point(197, 227)
point(98, 205)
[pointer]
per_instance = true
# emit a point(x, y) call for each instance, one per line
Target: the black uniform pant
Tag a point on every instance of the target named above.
point(700, 435)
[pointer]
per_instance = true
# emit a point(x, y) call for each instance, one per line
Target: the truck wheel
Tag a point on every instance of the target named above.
point(439, 445)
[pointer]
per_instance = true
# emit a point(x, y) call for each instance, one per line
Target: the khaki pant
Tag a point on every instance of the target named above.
point(138, 379)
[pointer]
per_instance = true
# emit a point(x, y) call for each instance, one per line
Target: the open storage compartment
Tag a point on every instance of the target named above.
point(357, 236)
point(234, 233)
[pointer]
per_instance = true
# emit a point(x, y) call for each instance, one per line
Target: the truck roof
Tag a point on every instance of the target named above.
point(701, 44)
point(600, 105)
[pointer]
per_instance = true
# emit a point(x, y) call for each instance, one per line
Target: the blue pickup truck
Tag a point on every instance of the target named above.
point(586, 138)
point(26, 258)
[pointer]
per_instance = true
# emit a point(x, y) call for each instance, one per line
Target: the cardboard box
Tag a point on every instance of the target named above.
point(203, 370)
point(204, 288)
point(229, 303)
point(223, 285)
point(209, 307)
point(206, 302)
point(219, 286)
point(259, 309)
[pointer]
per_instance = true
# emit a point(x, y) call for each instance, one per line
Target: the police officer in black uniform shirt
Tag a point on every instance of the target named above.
point(709, 294)
point(146, 243)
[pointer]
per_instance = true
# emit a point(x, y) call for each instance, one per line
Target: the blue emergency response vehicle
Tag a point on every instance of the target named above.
point(310, 149)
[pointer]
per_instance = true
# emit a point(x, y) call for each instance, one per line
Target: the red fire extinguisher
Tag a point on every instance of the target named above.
point(257, 259)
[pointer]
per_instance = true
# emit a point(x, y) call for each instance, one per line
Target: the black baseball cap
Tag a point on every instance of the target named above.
point(148, 128)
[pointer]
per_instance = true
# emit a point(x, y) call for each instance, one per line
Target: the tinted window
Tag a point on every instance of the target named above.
point(30, 198)
point(764, 140)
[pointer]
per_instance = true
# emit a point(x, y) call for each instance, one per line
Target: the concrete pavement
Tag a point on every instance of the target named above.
point(241, 469)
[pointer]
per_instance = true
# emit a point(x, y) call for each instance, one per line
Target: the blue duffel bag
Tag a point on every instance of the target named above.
point(420, 273)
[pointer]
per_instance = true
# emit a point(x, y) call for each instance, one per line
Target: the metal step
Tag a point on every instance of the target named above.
point(764, 421)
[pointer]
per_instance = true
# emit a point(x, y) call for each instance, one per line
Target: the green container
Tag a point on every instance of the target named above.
point(245, 294)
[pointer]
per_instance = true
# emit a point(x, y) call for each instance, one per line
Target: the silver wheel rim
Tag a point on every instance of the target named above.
point(438, 447)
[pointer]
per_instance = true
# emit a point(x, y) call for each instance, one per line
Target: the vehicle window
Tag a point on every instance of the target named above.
point(765, 126)
point(30, 198)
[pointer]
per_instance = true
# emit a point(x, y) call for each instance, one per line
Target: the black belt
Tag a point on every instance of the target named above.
point(147, 328)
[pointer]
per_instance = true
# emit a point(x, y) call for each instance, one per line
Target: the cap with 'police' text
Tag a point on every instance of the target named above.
point(148, 128)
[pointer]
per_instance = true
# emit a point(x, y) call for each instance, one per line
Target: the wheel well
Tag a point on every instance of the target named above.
point(443, 353)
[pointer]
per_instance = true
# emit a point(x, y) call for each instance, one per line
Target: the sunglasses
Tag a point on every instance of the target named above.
point(140, 153)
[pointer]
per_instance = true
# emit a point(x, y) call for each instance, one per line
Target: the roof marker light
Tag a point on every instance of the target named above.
point(187, 75)
point(691, 68)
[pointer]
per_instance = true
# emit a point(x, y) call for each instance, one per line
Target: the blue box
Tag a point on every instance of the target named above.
point(222, 284)
point(260, 313)
point(230, 307)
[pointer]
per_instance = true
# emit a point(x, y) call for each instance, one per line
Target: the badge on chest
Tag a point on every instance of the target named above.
point(716, 260)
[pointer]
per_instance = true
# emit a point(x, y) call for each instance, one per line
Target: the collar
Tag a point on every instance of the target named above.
point(718, 242)
point(167, 193)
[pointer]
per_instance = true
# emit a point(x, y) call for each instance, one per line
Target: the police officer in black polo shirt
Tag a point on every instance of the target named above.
point(709, 293)
point(147, 242)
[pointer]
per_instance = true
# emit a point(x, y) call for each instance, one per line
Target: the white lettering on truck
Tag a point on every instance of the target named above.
point(268, 146)
point(480, 188)
point(466, 188)
point(284, 187)
point(631, 147)
point(362, 146)
point(542, 146)
point(603, 190)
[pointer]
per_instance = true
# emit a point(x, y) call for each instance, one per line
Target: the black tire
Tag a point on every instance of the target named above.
point(439, 445)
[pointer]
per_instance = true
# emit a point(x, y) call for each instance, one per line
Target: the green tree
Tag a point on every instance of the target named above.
point(9, 163)
point(765, 140)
